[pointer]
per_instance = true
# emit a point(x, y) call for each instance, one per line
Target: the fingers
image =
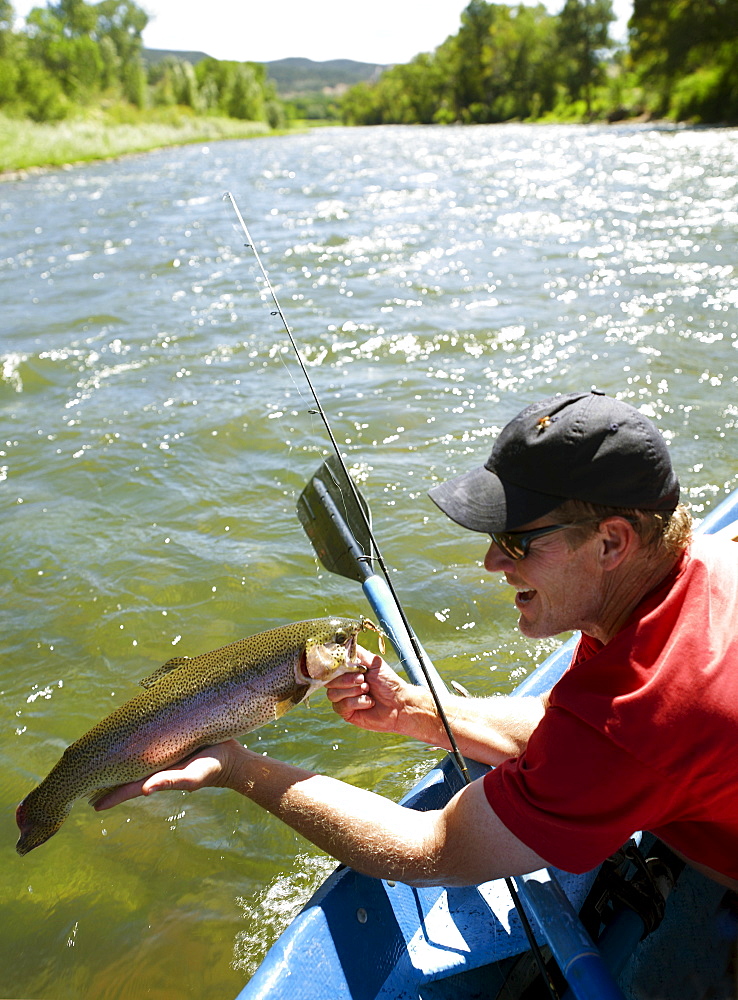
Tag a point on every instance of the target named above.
point(120, 794)
point(163, 781)
point(200, 771)
point(346, 684)
point(368, 659)
point(354, 687)
point(349, 696)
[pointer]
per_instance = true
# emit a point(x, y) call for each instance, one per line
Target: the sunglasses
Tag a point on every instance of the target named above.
point(515, 544)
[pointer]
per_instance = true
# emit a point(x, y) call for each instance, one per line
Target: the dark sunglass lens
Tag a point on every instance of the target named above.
point(513, 546)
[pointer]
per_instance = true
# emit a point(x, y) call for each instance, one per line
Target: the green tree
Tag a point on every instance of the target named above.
point(686, 56)
point(498, 67)
point(7, 18)
point(75, 41)
point(73, 53)
point(240, 90)
point(123, 22)
point(111, 71)
point(74, 17)
point(9, 74)
point(584, 33)
point(40, 97)
point(245, 99)
point(65, 48)
point(362, 105)
point(518, 60)
point(470, 47)
point(173, 81)
point(274, 113)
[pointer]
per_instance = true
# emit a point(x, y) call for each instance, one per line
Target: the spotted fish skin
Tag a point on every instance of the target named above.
point(190, 703)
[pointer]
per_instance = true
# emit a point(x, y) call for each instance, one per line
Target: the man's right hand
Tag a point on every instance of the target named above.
point(376, 699)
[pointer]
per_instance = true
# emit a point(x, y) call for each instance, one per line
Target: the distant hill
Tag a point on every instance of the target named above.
point(153, 56)
point(293, 76)
point(299, 76)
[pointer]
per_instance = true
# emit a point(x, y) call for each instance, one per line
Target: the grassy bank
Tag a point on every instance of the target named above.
point(25, 144)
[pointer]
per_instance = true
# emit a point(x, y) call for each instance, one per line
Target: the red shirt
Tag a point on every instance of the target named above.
point(641, 734)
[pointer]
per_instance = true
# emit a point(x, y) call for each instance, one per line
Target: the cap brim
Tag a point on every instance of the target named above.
point(481, 501)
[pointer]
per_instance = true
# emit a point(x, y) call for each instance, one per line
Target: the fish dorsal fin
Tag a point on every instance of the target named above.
point(174, 664)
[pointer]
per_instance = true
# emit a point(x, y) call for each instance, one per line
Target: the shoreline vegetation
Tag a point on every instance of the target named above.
point(29, 147)
point(76, 84)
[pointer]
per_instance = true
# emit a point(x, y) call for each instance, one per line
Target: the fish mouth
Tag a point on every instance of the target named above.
point(32, 832)
point(302, 668)
point(22, 847)
point(351, 644)
point(351, 649)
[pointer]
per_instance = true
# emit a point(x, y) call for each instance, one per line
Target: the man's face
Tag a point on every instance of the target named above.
point(559, 589)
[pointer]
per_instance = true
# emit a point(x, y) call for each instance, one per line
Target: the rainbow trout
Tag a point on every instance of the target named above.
point(191, 703)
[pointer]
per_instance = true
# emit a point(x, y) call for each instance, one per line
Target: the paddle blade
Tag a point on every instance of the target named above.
point(334, 522)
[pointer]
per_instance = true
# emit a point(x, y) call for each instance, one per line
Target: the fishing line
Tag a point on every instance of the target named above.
point(460, 762)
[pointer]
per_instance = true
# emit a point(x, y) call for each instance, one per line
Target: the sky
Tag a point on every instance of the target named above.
point(380, 31)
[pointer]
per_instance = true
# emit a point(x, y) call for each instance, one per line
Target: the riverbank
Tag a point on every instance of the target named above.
point(26, 146)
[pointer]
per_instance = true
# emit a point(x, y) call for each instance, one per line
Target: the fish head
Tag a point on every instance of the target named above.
point(36, 822)
point(331, 649)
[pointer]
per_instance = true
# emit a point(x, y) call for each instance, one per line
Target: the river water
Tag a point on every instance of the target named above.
point(155, 432)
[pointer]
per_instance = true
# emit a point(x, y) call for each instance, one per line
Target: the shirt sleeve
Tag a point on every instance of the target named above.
point(574, 796)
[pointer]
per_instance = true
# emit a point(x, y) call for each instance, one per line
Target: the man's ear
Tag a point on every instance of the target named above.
point(618, 540)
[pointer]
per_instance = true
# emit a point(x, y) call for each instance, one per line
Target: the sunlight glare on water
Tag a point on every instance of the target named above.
point(156, 432)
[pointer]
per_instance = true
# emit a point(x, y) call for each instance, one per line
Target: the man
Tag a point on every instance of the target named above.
point(581, 502)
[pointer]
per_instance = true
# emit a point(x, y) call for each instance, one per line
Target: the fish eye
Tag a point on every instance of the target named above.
point(341, 637)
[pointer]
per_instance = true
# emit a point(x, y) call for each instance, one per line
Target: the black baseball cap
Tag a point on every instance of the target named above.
point(579, 446)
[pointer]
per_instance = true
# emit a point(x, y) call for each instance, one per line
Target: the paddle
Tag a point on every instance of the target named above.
point(340, 535)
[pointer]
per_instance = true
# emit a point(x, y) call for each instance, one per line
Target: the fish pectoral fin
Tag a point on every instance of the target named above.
point(283, 706)
point(174, 664)
point(99, 793)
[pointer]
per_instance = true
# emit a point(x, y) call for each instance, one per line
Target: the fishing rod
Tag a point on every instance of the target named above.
point(457, 755)
point(367, 522)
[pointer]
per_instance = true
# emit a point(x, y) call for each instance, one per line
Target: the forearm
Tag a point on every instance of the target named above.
point(486, 729)
point(462, 844)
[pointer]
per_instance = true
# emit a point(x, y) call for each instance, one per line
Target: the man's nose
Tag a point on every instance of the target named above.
point(496, 561)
